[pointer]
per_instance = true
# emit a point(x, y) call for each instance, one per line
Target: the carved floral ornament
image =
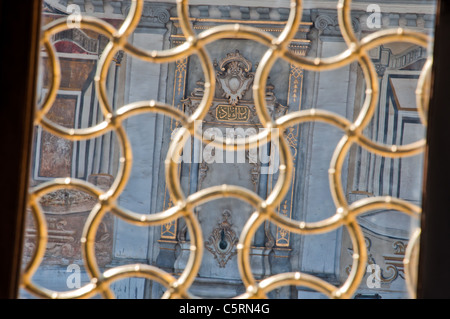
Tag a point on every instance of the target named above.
point(329, 24)
point(393, 261)
point(234, 76)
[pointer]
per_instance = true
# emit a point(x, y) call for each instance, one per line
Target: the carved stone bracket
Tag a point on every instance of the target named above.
point(328, 24)
point(154, 16)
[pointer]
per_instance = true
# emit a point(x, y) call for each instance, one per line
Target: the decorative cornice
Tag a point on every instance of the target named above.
point(327, 23)
point(154, 16)
point(384, 59)
point(105, 9)
point(277, 10)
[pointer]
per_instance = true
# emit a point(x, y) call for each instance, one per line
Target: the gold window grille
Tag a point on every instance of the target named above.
point(264, 208)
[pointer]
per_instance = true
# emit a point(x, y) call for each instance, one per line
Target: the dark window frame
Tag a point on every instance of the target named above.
point(434, 257)
point(20, 25)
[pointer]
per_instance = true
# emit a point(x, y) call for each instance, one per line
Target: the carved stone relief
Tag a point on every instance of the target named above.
point(385, 253)
point(222, 240)
point(234, 76)
point(233, 103)
point(328, 24)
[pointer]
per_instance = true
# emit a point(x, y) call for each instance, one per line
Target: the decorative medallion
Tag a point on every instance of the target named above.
point(222, 240)
point(234, 76)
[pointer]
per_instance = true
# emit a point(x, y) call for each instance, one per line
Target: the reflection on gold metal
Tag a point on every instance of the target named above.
point(183, 207)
